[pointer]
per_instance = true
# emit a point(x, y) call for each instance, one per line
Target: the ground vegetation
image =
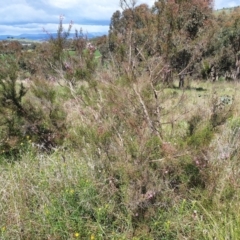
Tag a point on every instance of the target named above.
point(133, 135)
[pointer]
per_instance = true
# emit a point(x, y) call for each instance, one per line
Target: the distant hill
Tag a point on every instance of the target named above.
point(226, 9)
point(44, 36)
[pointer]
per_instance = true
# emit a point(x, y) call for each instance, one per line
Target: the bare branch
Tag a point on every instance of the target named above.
point(150, 122)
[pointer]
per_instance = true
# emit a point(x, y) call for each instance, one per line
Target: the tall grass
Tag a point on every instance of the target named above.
point(133, 165)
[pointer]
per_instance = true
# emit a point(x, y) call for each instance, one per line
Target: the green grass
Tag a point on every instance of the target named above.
point(97, 53)
point(94, 152)
point(115, 178)
point(72, 53)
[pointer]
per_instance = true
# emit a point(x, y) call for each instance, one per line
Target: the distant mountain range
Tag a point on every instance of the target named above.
point(45, 36)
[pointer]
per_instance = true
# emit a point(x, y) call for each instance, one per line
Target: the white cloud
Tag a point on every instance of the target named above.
point(63, 4)
point(86, 28)
point(23, 13)
point(232, 4)
point(35, 28)
point(24, 16)
point(19, 29)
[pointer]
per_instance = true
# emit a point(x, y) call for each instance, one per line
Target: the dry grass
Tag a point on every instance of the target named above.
point(130, 167)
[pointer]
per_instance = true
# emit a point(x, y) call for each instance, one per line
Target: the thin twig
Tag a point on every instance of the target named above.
point(150, 122)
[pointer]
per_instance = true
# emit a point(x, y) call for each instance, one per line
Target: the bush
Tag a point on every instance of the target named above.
point(28, 111)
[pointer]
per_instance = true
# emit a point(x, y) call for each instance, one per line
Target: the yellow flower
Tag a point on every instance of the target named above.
point(92, 237)
point(71, 191)
point(3, 229)
point(27, 137)
point(76, 234)
point(47, 212)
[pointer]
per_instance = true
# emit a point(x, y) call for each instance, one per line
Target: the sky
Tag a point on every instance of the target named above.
point(31, 16)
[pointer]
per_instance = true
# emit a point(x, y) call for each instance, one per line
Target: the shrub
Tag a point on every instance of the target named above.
point(36, 115)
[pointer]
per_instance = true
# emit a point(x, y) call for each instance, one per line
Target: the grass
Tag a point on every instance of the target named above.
point(47, 191)
point(97, 54)
point(115, 178)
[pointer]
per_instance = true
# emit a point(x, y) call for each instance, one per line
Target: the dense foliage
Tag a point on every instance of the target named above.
point(187, 37)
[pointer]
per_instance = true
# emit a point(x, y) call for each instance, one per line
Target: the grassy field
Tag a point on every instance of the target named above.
point(115, 178)
point(97, 54)
point(109, 148)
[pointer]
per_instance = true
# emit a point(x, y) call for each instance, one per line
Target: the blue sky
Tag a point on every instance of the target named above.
point(31, 16)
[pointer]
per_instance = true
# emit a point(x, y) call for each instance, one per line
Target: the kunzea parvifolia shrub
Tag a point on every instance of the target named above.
point(73, 59)
point(27, 112)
